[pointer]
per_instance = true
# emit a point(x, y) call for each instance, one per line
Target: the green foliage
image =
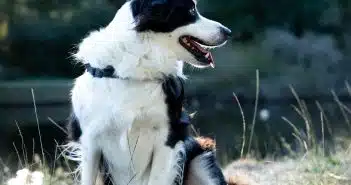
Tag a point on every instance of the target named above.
point(254, 15)
point(48, 22)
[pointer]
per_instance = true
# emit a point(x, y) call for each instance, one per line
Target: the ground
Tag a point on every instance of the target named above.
point(309, 169)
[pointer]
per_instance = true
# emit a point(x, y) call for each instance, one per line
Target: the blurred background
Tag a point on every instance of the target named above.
point(304, 44)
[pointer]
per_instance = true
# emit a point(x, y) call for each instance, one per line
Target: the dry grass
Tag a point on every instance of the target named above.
point(312, 165)
point(40, 177)
point(35, 172)
point(309, 169)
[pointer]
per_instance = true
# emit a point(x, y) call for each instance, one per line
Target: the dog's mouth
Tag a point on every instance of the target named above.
point(199, 49)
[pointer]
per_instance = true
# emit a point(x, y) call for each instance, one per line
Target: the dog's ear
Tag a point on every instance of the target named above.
point(147, 7)
point(149, 13)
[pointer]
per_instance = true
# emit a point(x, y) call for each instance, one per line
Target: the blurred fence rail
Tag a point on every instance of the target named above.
point(16, 101)
point(52, 99)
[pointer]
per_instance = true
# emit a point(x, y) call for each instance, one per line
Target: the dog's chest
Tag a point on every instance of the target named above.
point(111, 107)
point(126, 120)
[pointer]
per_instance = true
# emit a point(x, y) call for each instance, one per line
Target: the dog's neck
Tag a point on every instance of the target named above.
point(132, 55)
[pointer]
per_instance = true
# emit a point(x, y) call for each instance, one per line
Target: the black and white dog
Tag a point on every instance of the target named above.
point(122, 104)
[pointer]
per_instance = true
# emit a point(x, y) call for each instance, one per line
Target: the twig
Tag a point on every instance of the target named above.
point(66, 162)
point(297, 133)
point(308, 123)
point(342, 109)
point(244, 125)
point(194, 130)
point(303, 112)
point(33, 149)
point(131, 164)
point(24, 150)
point(337, 177)
point(292, 125)
point(37, 119)
point(327, 122)
point(57, 125)
point(348, 87)
point(323, 137)
point(255, 111)
point(18, 155)
point(54, 166)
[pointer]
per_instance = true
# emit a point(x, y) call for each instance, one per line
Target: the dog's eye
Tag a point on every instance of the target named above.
point(192, 11)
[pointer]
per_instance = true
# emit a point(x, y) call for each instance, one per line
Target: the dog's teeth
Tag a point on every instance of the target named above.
point(207, 55)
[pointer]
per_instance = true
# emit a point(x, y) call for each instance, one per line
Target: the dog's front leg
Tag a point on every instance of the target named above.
point(90, 161)
point(168, 165)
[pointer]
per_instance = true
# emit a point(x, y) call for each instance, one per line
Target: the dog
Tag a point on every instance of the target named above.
point(198, 165)
point(119, 102)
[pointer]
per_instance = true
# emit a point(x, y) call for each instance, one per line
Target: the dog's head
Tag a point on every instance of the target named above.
point(184, 31)
point(149, 37)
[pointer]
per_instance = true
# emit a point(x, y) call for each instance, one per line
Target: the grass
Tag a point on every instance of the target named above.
point(37, 172)
point(310, 169)
point(313, 164)
point(42, 176)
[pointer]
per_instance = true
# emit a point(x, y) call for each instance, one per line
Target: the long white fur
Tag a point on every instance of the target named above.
point(126, 120)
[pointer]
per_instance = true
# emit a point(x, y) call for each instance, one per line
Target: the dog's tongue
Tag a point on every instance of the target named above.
point(207, 54)
point(210, 59)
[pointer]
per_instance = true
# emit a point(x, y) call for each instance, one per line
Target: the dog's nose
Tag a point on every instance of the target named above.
point(226, 31)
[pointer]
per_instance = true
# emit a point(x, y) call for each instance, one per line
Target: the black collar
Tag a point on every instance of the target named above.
point(109, 72)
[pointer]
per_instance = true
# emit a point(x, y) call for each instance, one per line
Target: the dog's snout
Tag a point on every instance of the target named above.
point(226, 31)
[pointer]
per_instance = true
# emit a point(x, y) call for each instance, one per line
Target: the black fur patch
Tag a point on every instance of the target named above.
point(104, 169)
point(163, 15)
point(193, 149)
point(174, 90)
point(73, 128)
point(214, 169)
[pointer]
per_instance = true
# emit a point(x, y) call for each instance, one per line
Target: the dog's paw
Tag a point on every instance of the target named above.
point(206, 143)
